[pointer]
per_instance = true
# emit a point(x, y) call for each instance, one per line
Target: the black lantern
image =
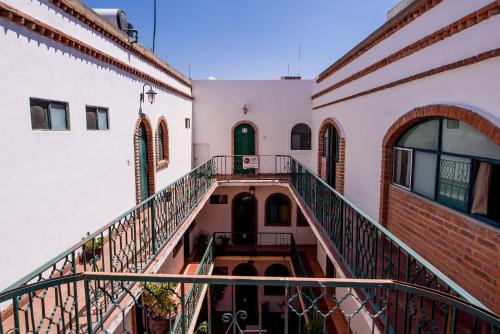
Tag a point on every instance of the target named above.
point(150, 93)
point(252, 191)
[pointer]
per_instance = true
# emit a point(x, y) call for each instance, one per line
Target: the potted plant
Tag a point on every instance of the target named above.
point(92, 248)
point(159, 306)
point(200, 241)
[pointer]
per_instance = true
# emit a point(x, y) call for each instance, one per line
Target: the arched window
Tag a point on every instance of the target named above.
point(301, 137)
point(162, 154)
point(276, 270)
point(278, 210)
point(449, 161)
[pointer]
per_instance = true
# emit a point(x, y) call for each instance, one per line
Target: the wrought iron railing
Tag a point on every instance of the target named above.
point(360, 316)
point(127, 244)
point(368, 249)
point(266, 167)
point(194, 296)
point(253, 243)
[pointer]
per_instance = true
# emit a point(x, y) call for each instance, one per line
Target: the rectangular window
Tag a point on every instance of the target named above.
point(97, 118)
point(218, 199)
point(187, 122)
point(402, 167)
point(48, 115)
point(424, 173)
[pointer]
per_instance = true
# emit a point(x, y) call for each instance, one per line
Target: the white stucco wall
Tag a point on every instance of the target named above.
point(366, 119)
point(57, 185)
point(274, 106)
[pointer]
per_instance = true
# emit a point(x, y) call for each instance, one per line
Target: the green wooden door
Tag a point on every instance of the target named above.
point(244, 144)
point(143, 162)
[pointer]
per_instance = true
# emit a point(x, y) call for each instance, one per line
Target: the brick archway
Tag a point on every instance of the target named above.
point(413, 117)
point(340, 167)
point(256, 132)
point(160, 164)
point(143, 119)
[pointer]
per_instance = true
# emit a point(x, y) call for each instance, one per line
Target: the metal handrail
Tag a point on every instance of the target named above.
point(420, 291)
point(449, 282)
point(78, 246)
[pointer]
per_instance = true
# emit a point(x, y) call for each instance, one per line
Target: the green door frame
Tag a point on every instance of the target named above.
point(143, 162)
point(244, 144)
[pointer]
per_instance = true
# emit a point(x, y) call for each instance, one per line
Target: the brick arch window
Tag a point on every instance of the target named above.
point(301, 137)
point(162, 144)
point(331, 145)
point(143, 129)
point(447, 154)
point(276, 270)
point(278, 210)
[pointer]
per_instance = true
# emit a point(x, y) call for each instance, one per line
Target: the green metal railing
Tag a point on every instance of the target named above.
point(367, 249)
point(468, 318)
point(127, 244)
point(194, 295)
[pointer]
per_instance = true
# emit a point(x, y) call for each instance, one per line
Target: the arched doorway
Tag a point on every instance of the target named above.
point(244, 219)
point(144, 159)
point(244, 135)
point(247, 297)
point(331, 141)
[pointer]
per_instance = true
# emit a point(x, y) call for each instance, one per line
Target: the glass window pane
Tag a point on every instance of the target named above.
point(161, 155)
point(91, 118)
point(58, 116)
point(424, 173)
point(39, 114)
point(454, 179)
point(402, 167)
point(296, 141)
point(102, 119)
point(424, 135)
point(467, 140)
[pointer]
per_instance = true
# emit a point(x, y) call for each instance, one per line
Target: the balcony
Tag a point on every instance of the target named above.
point(91, 286)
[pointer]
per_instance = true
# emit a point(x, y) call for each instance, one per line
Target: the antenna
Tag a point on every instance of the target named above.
point(300, 51)
point(288, 68)
point(189, 72)
point(154, 25)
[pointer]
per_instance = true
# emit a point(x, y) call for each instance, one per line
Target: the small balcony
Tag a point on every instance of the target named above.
point(97, 285)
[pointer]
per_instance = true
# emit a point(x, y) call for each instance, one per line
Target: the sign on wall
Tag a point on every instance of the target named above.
point(250, 162)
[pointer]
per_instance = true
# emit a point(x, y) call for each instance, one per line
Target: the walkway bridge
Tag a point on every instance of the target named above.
point(389, 287)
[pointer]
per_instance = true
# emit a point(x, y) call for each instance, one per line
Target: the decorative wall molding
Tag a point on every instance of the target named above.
point(464, 23)
point(461, 63)
point(58, 36)
point(93, 21)
point(404, 18)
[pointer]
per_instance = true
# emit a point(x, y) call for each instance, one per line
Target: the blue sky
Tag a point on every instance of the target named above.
point(252, 39)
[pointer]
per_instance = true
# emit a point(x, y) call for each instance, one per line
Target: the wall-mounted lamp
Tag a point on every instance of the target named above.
point(252, 191)
point(245, 109)
point(150, 93)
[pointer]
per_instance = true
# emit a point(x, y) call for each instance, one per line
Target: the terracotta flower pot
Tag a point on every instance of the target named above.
point(159, 326)
point(90, 253)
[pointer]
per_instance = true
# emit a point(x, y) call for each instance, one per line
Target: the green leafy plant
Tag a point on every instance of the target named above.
point(158, 300)
point(314, 326)
point(200, 241)
point(94, 243)
point(202, 328)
